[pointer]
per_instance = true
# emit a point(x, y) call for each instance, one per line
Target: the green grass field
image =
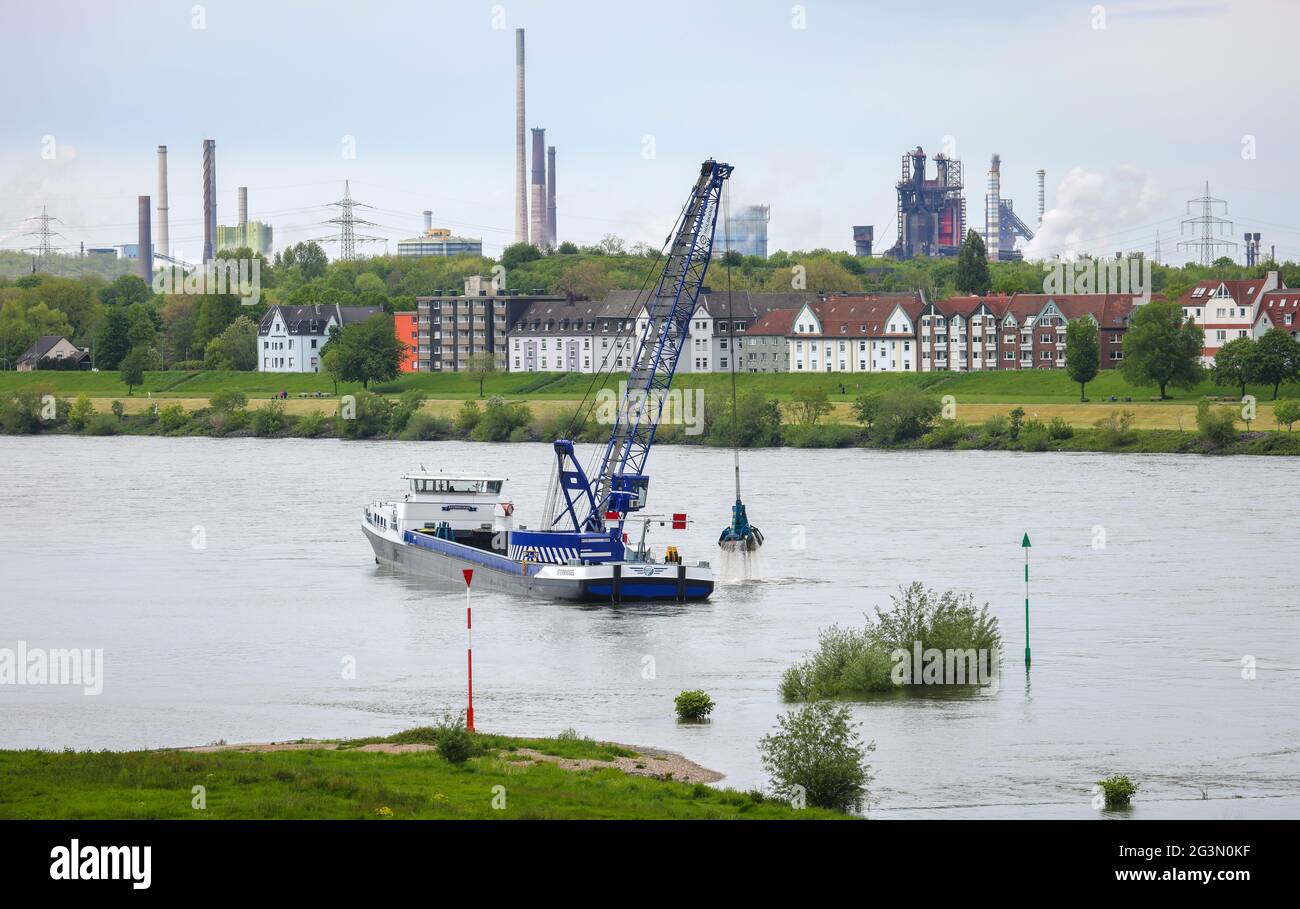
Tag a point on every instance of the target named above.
point(998, 387)
point(347, 783)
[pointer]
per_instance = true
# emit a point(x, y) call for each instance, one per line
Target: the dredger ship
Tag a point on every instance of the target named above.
point(444, 523)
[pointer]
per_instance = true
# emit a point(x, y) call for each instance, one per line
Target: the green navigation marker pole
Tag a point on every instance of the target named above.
point(1025, 545)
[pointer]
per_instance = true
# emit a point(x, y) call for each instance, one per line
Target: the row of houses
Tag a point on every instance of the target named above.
point(817, 333)
point(774, 332)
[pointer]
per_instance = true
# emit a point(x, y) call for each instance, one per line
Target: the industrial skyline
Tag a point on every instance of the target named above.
point(623, 141)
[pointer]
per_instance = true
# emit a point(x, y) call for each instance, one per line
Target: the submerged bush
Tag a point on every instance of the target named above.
point(946, 434)
point(821, 435)
point(851, 662)
point(1118, 791)
point(693, 705)
point(817, 758)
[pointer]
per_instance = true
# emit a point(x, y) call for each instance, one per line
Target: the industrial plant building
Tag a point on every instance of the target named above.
point(438, 241)
point(931, 212)
point(745, 231)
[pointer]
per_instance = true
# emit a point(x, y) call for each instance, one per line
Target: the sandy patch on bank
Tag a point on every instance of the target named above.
point(654, 763)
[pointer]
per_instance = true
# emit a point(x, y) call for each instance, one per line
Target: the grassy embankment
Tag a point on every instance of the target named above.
point(349, 783)
point(1044, 394)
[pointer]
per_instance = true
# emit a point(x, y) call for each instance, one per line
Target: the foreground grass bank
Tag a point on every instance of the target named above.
point(1039, 386)
point(505, 781)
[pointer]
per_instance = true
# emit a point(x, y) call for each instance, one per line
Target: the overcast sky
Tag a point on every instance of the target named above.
point(814, 110)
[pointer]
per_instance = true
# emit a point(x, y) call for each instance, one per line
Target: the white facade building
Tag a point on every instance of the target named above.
point(290, 338)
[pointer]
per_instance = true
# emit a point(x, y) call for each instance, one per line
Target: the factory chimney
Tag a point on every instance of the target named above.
point(537, 221)
point(551, 238)
point(145, 242)
point(209, 199)
point(993, 210)
point(243, 210)
point(521, 190)
point(1042, 193)
point(164, 242)
point(428, 220)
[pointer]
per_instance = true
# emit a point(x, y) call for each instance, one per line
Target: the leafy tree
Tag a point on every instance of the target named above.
point(568, 249)
point(1234, 364)
point(114, 341)
point(817, 754)
point(1082, 353)
point(216, 312)
point(80, 413)
point(1277, 359)
point(585, 279)
point(973, 266)
point(1216, 424)
point(366, 352)
point(133, 365)
point(1162, 347)
point(611, 245)
point(228, 400)
point(1287, 413)
point(234, 348)
point(373, 417)
point(179, 318)
point(865, 409)
point(309, 258)
point(125, 291)
point(758, 423)
point(143, 331)
point(903, 415)
point(479, 366)
point(518, 254)
point(809, 406)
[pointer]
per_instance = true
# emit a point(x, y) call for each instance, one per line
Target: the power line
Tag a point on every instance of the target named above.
point(1208, 223)
point(43, 235)
point(348, 222)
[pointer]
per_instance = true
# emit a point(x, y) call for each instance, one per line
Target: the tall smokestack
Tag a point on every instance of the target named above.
point(145, 242)
point(164, 242)
point(552, 239)
point(428, 220)
point(1042, 194)
point(537, 221)
point(993, 210)
point(243, 209)
point(209, 199)
point(521, 166)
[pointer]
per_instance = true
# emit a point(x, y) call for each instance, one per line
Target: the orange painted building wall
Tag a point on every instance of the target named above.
point(405, 326)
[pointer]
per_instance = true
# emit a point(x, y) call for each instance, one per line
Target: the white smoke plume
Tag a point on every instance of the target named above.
point(1094, 214)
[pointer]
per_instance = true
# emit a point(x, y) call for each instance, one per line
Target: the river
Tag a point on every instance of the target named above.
point(229, 585)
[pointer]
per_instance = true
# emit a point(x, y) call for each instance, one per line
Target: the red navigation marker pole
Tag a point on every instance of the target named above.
point(469, 639)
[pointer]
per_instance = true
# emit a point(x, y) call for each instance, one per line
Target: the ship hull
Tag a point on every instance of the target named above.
point(609, 583)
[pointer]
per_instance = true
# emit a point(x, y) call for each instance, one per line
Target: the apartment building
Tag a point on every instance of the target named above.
point(290, 338)
point(453, 327)
point(1227, 310)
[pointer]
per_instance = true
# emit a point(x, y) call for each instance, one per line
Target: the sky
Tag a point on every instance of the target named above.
point(1129, 107)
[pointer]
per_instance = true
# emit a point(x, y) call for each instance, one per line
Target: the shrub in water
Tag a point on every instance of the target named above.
point(1118, 791)
point(817, 756)
point(851, 662)
point(693, 705)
